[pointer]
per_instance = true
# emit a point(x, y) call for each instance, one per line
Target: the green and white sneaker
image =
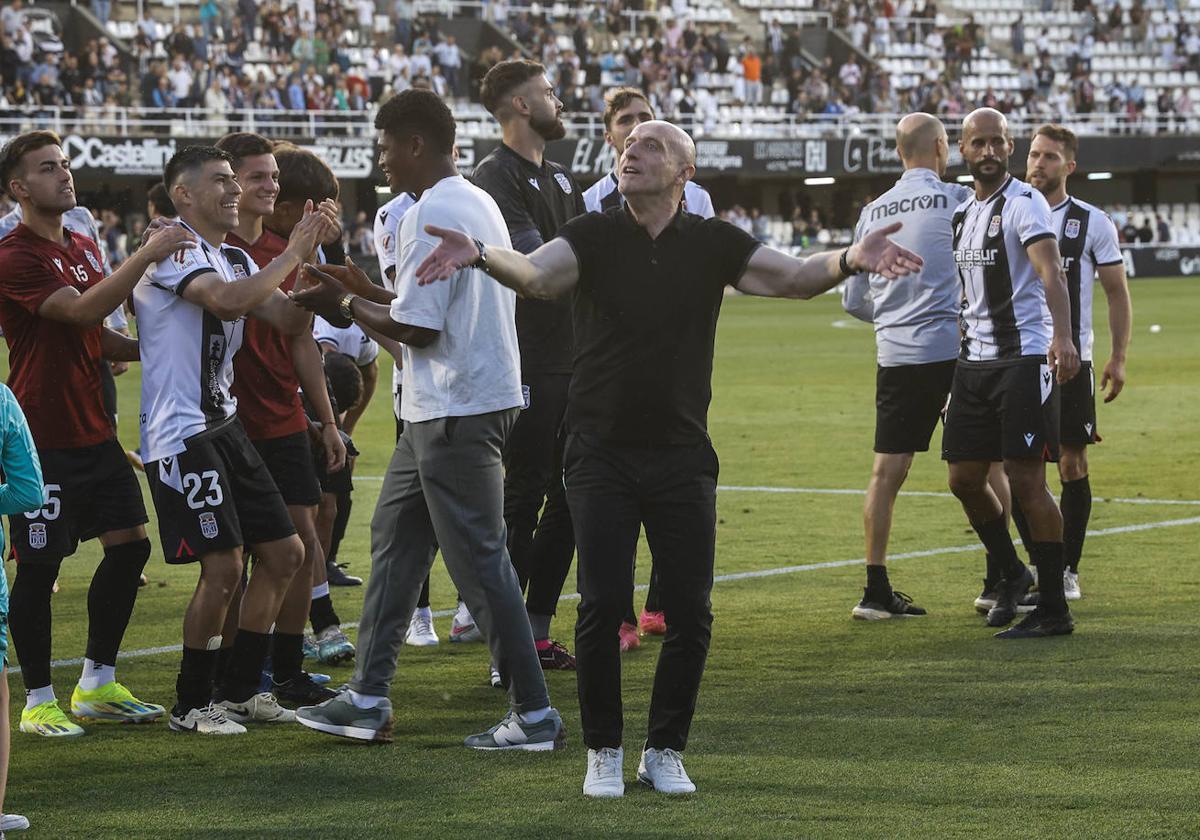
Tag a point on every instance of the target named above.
point(511, 734)
point(112, 701)
point(48, 720)
point(339, 716)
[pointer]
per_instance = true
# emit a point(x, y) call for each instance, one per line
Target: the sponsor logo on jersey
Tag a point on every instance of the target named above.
point(928, 201)
point(37, 535)
point(208, 526)
point(564, 182)
point(1088, 427)
point(1029, 436)
point(994, 226)
point(182, 257)
point(1071, 231)
point(975, 257)
point(387, 243)
point(91, 258)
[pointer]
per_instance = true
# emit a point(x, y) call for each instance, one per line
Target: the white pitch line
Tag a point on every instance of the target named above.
point(782, 570)
point(839, 491)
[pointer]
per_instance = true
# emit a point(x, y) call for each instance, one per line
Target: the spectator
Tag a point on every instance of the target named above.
point(1145, 233)
point(1162, 229)
point(102, 9)
point(760, 225)
point(752, 75)
point(449, 59)
point(1018, 35)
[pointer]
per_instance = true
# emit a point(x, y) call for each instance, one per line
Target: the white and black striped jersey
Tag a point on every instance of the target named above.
point(187, 352)
point(350, 341)
point(387, 224)
point(915, 317)
point(1004, 302)
point(603, 194)
point(1087, 239)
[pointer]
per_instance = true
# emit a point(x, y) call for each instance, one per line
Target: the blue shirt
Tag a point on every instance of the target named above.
point(21, 489)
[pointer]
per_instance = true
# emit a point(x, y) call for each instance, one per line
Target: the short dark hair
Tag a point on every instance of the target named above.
point(1061, 134)
point(189, 159)
point(345, 380)
point(160, 199)
point(303, 175)
point(422, 112)
point(504, 77)
point(244, 144)
point(618, 99)
point(16, 149)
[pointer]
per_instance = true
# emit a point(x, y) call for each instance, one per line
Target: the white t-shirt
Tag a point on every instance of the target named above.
point(351, 341)
point(187, 352)
point(474, 365)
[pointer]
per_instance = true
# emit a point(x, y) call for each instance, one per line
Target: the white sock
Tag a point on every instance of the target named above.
point(95, 675)
point(38, 696)
point(536, 716)
point(321, 590)
point(366, 701)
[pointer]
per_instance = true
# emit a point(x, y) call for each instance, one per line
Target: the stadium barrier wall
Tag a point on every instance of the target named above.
point(1161, 261)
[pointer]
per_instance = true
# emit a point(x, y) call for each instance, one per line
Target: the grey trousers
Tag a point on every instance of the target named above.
point(445, 487)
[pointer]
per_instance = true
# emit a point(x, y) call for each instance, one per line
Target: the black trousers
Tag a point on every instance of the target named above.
point(613, 490)
point(541, 547)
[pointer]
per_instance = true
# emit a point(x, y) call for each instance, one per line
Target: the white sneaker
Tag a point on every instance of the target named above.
point(663, 771)
point(261, 708)
point(420, 629)
point(603, 779)
point(210, 720)
point(463, 628)
point(1071, 585)
point(13, 822)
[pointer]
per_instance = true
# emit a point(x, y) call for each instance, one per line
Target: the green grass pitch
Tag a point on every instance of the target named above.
point(809, 724)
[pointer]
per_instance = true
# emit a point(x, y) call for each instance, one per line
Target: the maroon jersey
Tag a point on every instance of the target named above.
point(54, 367)
point(264, 376)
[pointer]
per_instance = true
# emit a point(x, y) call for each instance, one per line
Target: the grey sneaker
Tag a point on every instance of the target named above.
point(511, 734)
point(340, 716)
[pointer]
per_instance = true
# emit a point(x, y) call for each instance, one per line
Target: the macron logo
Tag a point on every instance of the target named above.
point(1029, 440)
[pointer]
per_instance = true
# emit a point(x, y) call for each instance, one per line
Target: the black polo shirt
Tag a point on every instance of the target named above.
point(645, 314)
point(535, 201)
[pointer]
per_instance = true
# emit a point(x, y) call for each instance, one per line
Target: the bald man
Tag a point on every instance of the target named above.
point(916, 338)
point(1016, 351)
point(648, 280)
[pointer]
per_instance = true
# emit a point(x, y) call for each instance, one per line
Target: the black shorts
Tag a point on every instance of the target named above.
point(1078, 426)
point(908, 402)
point(289, 460)
point(215, 495)
point(339, 483)
point(88, 491)
point(1002, 411)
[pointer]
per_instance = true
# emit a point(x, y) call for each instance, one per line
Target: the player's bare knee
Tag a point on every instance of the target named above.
point(222, 573)
point(1072, 463)
point(282, 557)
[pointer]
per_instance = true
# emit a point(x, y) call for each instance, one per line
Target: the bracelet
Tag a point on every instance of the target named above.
point(344, 306)
point(844, 265)
point(480, 262)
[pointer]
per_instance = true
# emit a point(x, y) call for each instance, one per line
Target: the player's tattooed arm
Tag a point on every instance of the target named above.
point(116, 347)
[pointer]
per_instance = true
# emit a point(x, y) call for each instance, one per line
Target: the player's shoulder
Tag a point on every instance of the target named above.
point(390, 212)
point(239, 260)
point(1091, 209)
point(1023, 197)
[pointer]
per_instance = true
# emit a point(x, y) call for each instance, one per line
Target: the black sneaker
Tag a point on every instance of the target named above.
point(987, 598)
point(337, 577)
point(1008, 594)
point(876, 607)
point(556, 657)
point(302, 689)
point(1039, 624)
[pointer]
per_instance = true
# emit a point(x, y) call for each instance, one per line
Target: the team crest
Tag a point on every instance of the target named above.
point(37, 535)
point(239, 271)
point(1071, 231)
point(994, 227)
point(208, 526)
point(91, 258)
point(563, 181)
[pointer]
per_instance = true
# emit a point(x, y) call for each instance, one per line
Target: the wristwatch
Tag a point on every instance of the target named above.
point(344, 306)
point(844, 264)
point(481, 261)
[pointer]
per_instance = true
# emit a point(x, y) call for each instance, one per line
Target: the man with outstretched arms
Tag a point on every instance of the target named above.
point(53, 299)
point(1087, 241)
point(647, 281)
point(211, 489)
point(916, 335)
point(1016, 352)
point(268, 372)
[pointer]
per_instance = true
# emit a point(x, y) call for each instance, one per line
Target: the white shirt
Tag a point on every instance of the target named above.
point(387, 235)
point(351, 341)
point(1004, 311)
point(603, 194)
point(187, 352)
point(1087, 239)
point(474, 365)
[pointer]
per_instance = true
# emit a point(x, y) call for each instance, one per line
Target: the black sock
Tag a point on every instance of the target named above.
point(321, 613)
point(194, 684)
point(243, 674)
point(877, 580)
point(111, 598)
point(1018, 517)
point(223, 656)
point(287, 655)
point(1076, 511)
point(1050, 576)
point(423, 598)
point(29, 618)
point(653, 603)
point(999, 544)
point(345, 501)
point(994, 573)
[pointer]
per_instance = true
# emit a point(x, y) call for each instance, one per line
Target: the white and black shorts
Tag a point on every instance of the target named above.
point(216, 495)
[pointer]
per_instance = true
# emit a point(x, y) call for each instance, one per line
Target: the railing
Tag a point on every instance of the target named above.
point(727, 122)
